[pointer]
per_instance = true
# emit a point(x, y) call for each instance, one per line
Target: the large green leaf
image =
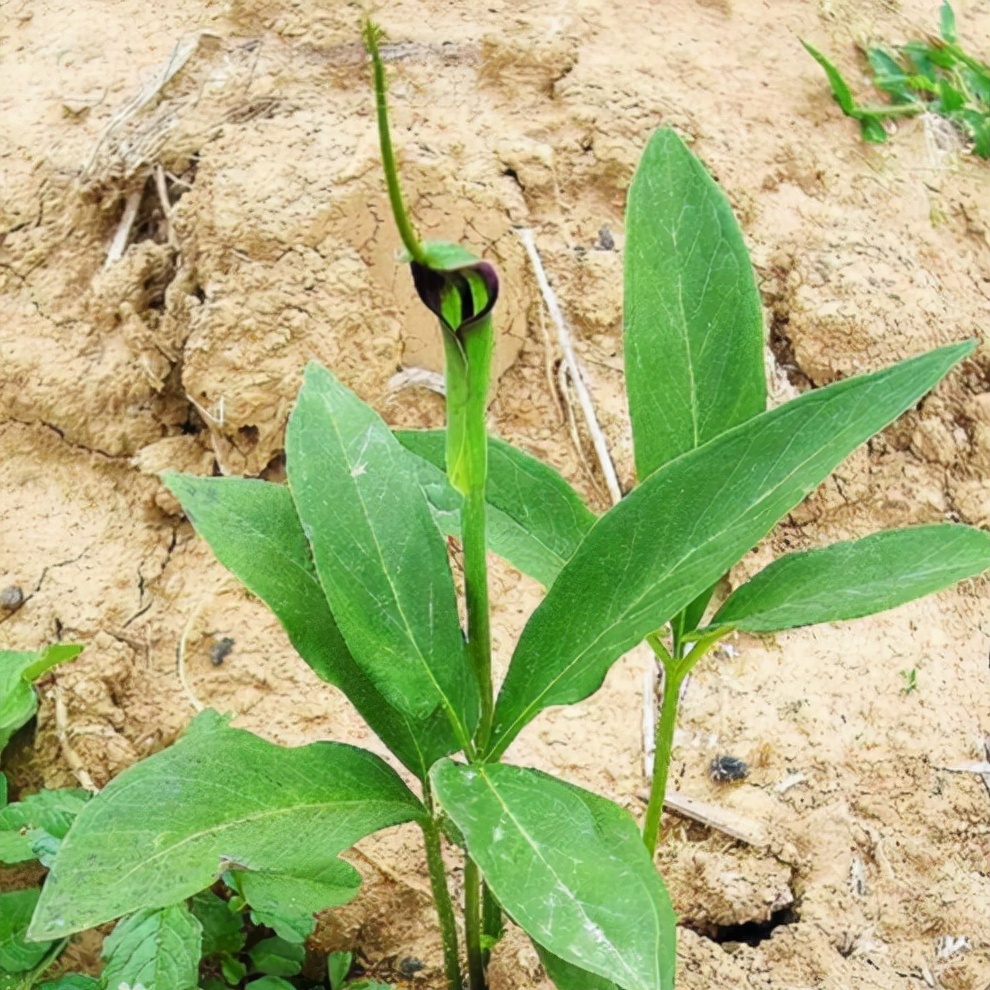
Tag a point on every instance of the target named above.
point(18, 671)
point(382, 563)
point(156, 950)
point(693, 334)
point(850, 580)
point(253, 529)
point(46, 813)
point(535, 519)
point(16, 954)
point(683, 527)
point(219, 799)
point(568, 866)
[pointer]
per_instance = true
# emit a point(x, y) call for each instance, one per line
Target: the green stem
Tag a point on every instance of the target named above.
point(479, 645)
point(472, 925)
point(444, 905)
point(661, 756)
point(492, 925)
point(675, 669)
point(406, 231)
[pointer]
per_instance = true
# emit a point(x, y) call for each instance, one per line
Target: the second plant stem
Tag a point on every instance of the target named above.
point(442, 901)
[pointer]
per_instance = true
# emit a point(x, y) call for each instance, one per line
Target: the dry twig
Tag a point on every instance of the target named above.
point(72, 758)
point(573, 367)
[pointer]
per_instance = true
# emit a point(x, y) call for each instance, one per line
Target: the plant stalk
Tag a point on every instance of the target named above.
point(472, 925)
point(666, 724)
point(443, 904)
point(467, 466)
point(406, 231)
point(676, 667)
point(473, 534)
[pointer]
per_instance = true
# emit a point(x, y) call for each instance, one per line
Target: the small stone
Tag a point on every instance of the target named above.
point(606, 242)
point(220, 650)
point(11, 597)
point(410, 965)
point(727, 769)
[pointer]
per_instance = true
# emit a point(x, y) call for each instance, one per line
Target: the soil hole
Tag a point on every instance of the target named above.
point(749, 932)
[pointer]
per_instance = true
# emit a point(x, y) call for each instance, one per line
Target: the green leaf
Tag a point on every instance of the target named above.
point(850, 580)
point(223, 929)
point(157, 950)
point(24, 824)
point(18, 671)
point(947, 22)
point(338, 966)
point(253, 529)
point(686, 525)
point(219, 799)
point(889, 76)
point(380, 558)
point(535, 519)
point(840, 89)
point(871, 128)
point(566, 976)
point(287, 904)
point(71, 981)
point(568, 866)
point(270, 983)
point(277, 957)
point(233, 970)
point(693, 334)
point(16, 954)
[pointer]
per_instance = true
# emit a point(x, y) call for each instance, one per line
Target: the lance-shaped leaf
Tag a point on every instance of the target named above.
point(535, 519)
point(253, 529)
point(157, 950)
point(568, 866)
point(382, 563)
point(693, 334)
point(850, 580)
point(686, 525)
point(217, 800)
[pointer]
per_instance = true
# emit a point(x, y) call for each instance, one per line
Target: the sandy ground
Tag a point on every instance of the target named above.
point(277, 248)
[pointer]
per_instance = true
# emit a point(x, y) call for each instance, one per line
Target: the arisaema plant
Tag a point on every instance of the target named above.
point(351, 556)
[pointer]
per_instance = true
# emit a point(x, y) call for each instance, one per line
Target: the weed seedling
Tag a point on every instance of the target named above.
point(927, 75)
point(30, 829)
point(351, 555)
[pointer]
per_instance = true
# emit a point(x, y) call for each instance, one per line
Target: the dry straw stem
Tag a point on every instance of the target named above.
point(72, 758)
point(571, 362)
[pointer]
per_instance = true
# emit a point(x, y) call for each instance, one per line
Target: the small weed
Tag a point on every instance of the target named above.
point(928, 75)
point(910, 680)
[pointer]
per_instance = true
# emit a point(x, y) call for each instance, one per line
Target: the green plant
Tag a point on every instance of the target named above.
point(910, 680)
point(928, 75)
point(351, 557)
point(32, 828)
point(339, 966)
